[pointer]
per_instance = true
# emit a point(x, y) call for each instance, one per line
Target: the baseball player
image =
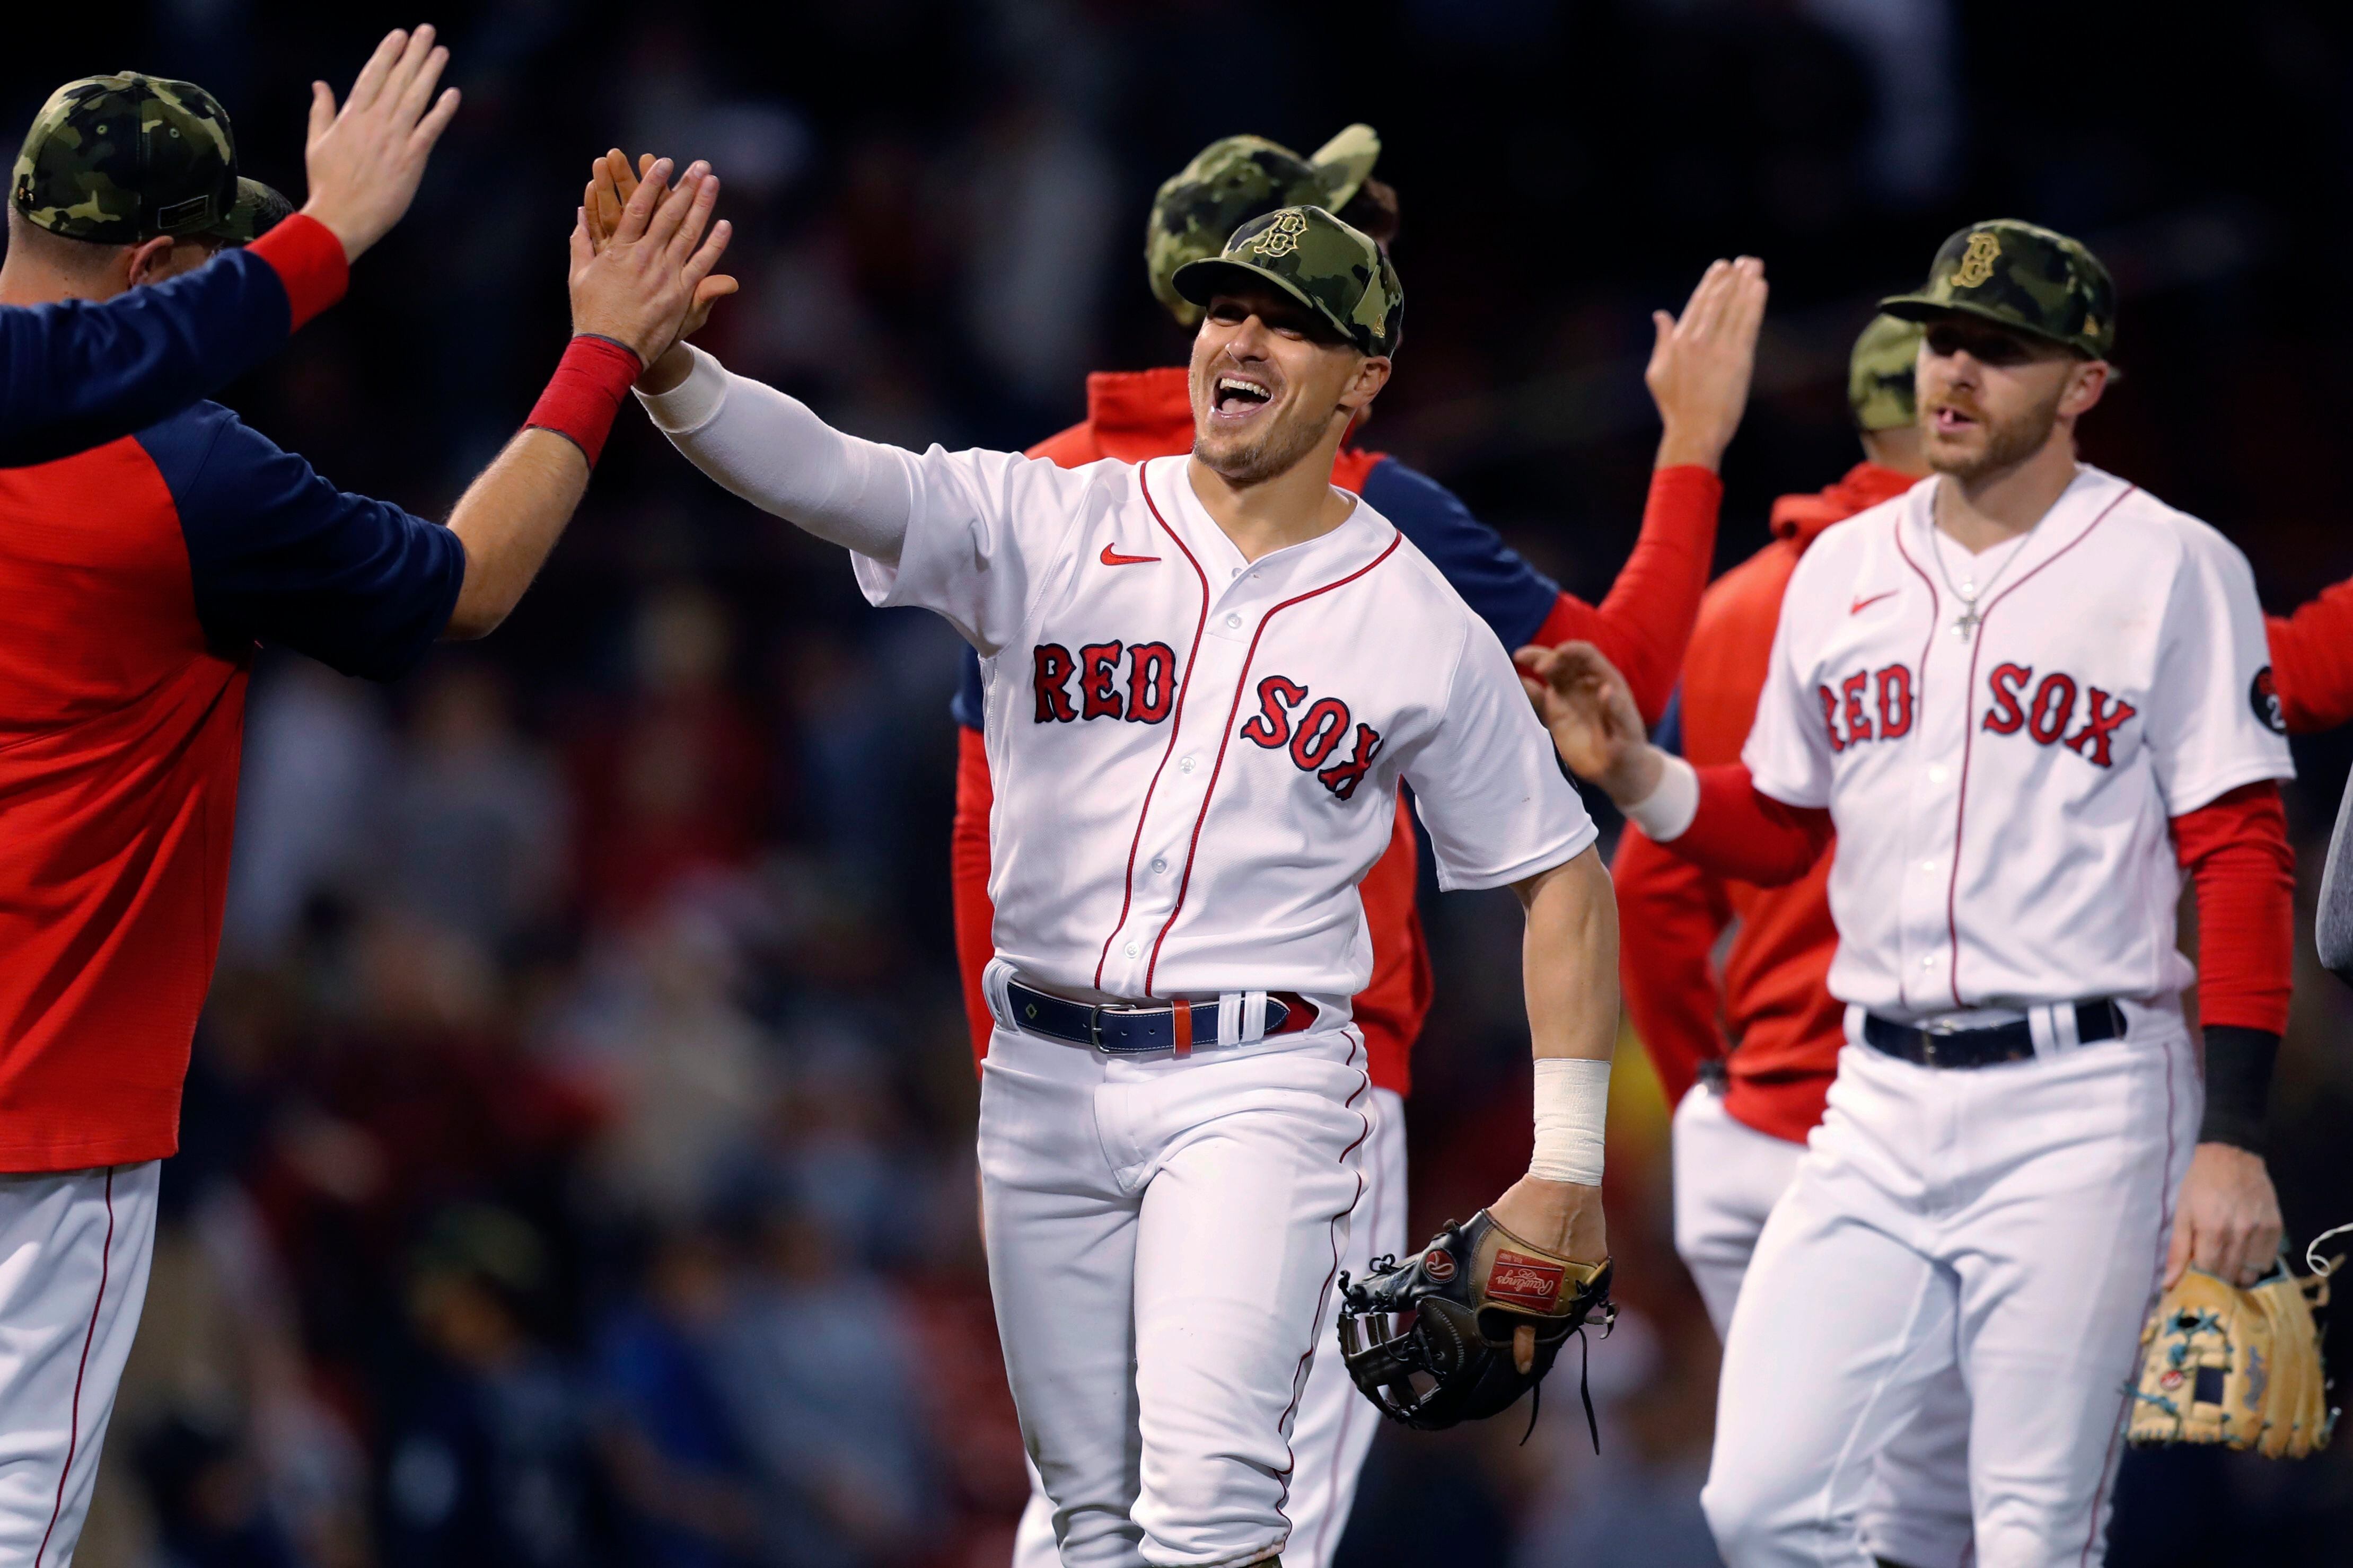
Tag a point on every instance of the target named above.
point(2030, 698)
point(74, 373)
point(1205, 680)
point(1741, 1116)
point(140, 574)
point(1699, 375)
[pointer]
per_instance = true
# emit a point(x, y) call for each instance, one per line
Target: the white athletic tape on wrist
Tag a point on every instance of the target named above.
point(1572, 1105)
point(1667, 810)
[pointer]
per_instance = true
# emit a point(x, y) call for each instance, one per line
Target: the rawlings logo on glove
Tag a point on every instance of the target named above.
point(1430, 1342)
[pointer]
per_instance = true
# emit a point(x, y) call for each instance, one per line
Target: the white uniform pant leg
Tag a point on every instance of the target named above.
point(74, 1253)
point(1840, 1327)
point(2059, 1252)
point(1033, 1538)
point(1335, 1424)
point(1061, 1235)
point(1256, 1164)
point(1918, 1512)
point(1727, 1177)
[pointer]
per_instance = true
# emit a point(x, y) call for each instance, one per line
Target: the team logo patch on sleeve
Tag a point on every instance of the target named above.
point(2265, 698)
point(1524, 1281)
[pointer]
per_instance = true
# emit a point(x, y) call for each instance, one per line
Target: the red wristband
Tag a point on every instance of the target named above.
point(585, 393)
point(310, 263)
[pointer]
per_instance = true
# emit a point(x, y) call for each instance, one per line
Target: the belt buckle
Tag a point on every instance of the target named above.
point(1095, 1027)
point(1930, 1033)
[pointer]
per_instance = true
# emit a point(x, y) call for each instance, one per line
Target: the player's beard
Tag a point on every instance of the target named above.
point(2008, 443)
point(1288, 437)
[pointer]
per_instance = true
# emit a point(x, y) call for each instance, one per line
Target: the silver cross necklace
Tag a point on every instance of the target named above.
point(1966, 590)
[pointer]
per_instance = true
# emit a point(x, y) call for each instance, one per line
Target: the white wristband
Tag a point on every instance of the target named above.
point(1667, 810)
point(1572, 1103)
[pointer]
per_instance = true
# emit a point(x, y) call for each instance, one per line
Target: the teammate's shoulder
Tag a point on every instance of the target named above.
point(1074, 448)
point(184, 443)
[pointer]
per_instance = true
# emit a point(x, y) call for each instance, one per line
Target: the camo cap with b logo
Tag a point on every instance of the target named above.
point(2022, 276)
point(1334, 269)
point(1234, 180)
point(120, 160)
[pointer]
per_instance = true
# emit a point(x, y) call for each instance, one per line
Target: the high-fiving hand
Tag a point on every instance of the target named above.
point(1590, 710)
point(1702, 362)
point(364, 163)
point(639, 287)
point(612, 184)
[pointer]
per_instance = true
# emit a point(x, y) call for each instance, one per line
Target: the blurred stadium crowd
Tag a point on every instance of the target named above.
point(576, 1160)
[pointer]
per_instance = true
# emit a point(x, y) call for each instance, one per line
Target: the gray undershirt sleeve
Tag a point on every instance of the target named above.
point(2335, 930)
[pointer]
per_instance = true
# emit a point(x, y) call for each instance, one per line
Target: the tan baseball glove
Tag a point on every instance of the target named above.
point(2243, 1368)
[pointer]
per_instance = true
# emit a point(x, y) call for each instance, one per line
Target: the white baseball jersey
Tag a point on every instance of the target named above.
point(2001, 794)
point(1196, 757)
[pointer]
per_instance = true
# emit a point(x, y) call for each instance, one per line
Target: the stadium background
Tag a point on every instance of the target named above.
point(577, 1161)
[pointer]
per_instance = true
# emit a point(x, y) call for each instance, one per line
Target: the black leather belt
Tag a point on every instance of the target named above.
point(1118, 1029)
point(1989, 1047)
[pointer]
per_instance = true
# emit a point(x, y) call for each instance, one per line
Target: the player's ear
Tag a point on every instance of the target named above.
point(1372, 375)
point(2088, 382)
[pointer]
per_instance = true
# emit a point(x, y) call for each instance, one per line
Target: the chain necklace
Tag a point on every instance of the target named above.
point(1966, 590)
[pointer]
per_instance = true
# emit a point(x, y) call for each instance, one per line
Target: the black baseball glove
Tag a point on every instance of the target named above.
point(1430, 1340)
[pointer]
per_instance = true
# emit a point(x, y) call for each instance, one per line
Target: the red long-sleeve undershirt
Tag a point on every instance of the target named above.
point(1644, 622)
point(2234, 847)
point(2236, 851)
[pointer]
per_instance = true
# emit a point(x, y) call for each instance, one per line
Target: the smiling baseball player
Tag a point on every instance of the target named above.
point(2030, 697)
point(1206, 678)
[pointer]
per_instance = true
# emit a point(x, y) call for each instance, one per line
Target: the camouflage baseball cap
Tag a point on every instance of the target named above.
point(2021, 276)
point(1234, 180)
point(1333, 270)
point(1879, 374)
point(119, 159)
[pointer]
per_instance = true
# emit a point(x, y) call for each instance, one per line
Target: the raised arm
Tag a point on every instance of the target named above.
point(1699, 373)
point(77, 375)
point(627, 304)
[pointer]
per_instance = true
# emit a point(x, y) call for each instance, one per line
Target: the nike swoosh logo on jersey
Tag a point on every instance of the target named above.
point(1114, 558)
point(1862, 604)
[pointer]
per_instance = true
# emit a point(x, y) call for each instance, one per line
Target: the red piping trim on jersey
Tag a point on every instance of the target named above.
point(1176, 728)
point(1920, 696)
point(1969, 733)
point(1299, 1377)
point(1353, 1408)
point(73, 1421)
point(2167, 1185)
point(1241, 684)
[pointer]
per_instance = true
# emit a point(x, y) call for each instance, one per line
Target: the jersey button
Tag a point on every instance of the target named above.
point(1159, 863)
point(1131, 949)
point(1233, 623)
point(1939, 773)
point(1927, 962)
point(1184, 764)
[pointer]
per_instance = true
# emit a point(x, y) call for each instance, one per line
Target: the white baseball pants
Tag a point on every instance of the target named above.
point(1163, 1238)
point(2006, 1223)
point(1727, 1177)
point(1334, 1430)
point(74, 1251)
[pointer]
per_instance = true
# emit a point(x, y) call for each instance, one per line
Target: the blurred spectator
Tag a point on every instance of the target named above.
point(488, 1441)
point(315, 752)
point(656, 1033)
point(816, 1359)
point(676, 780)
point(671, 1450)
point(478, 818)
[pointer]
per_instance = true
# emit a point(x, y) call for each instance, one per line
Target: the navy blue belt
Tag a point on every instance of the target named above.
point(1988, 1046)
point(1119, 1029)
